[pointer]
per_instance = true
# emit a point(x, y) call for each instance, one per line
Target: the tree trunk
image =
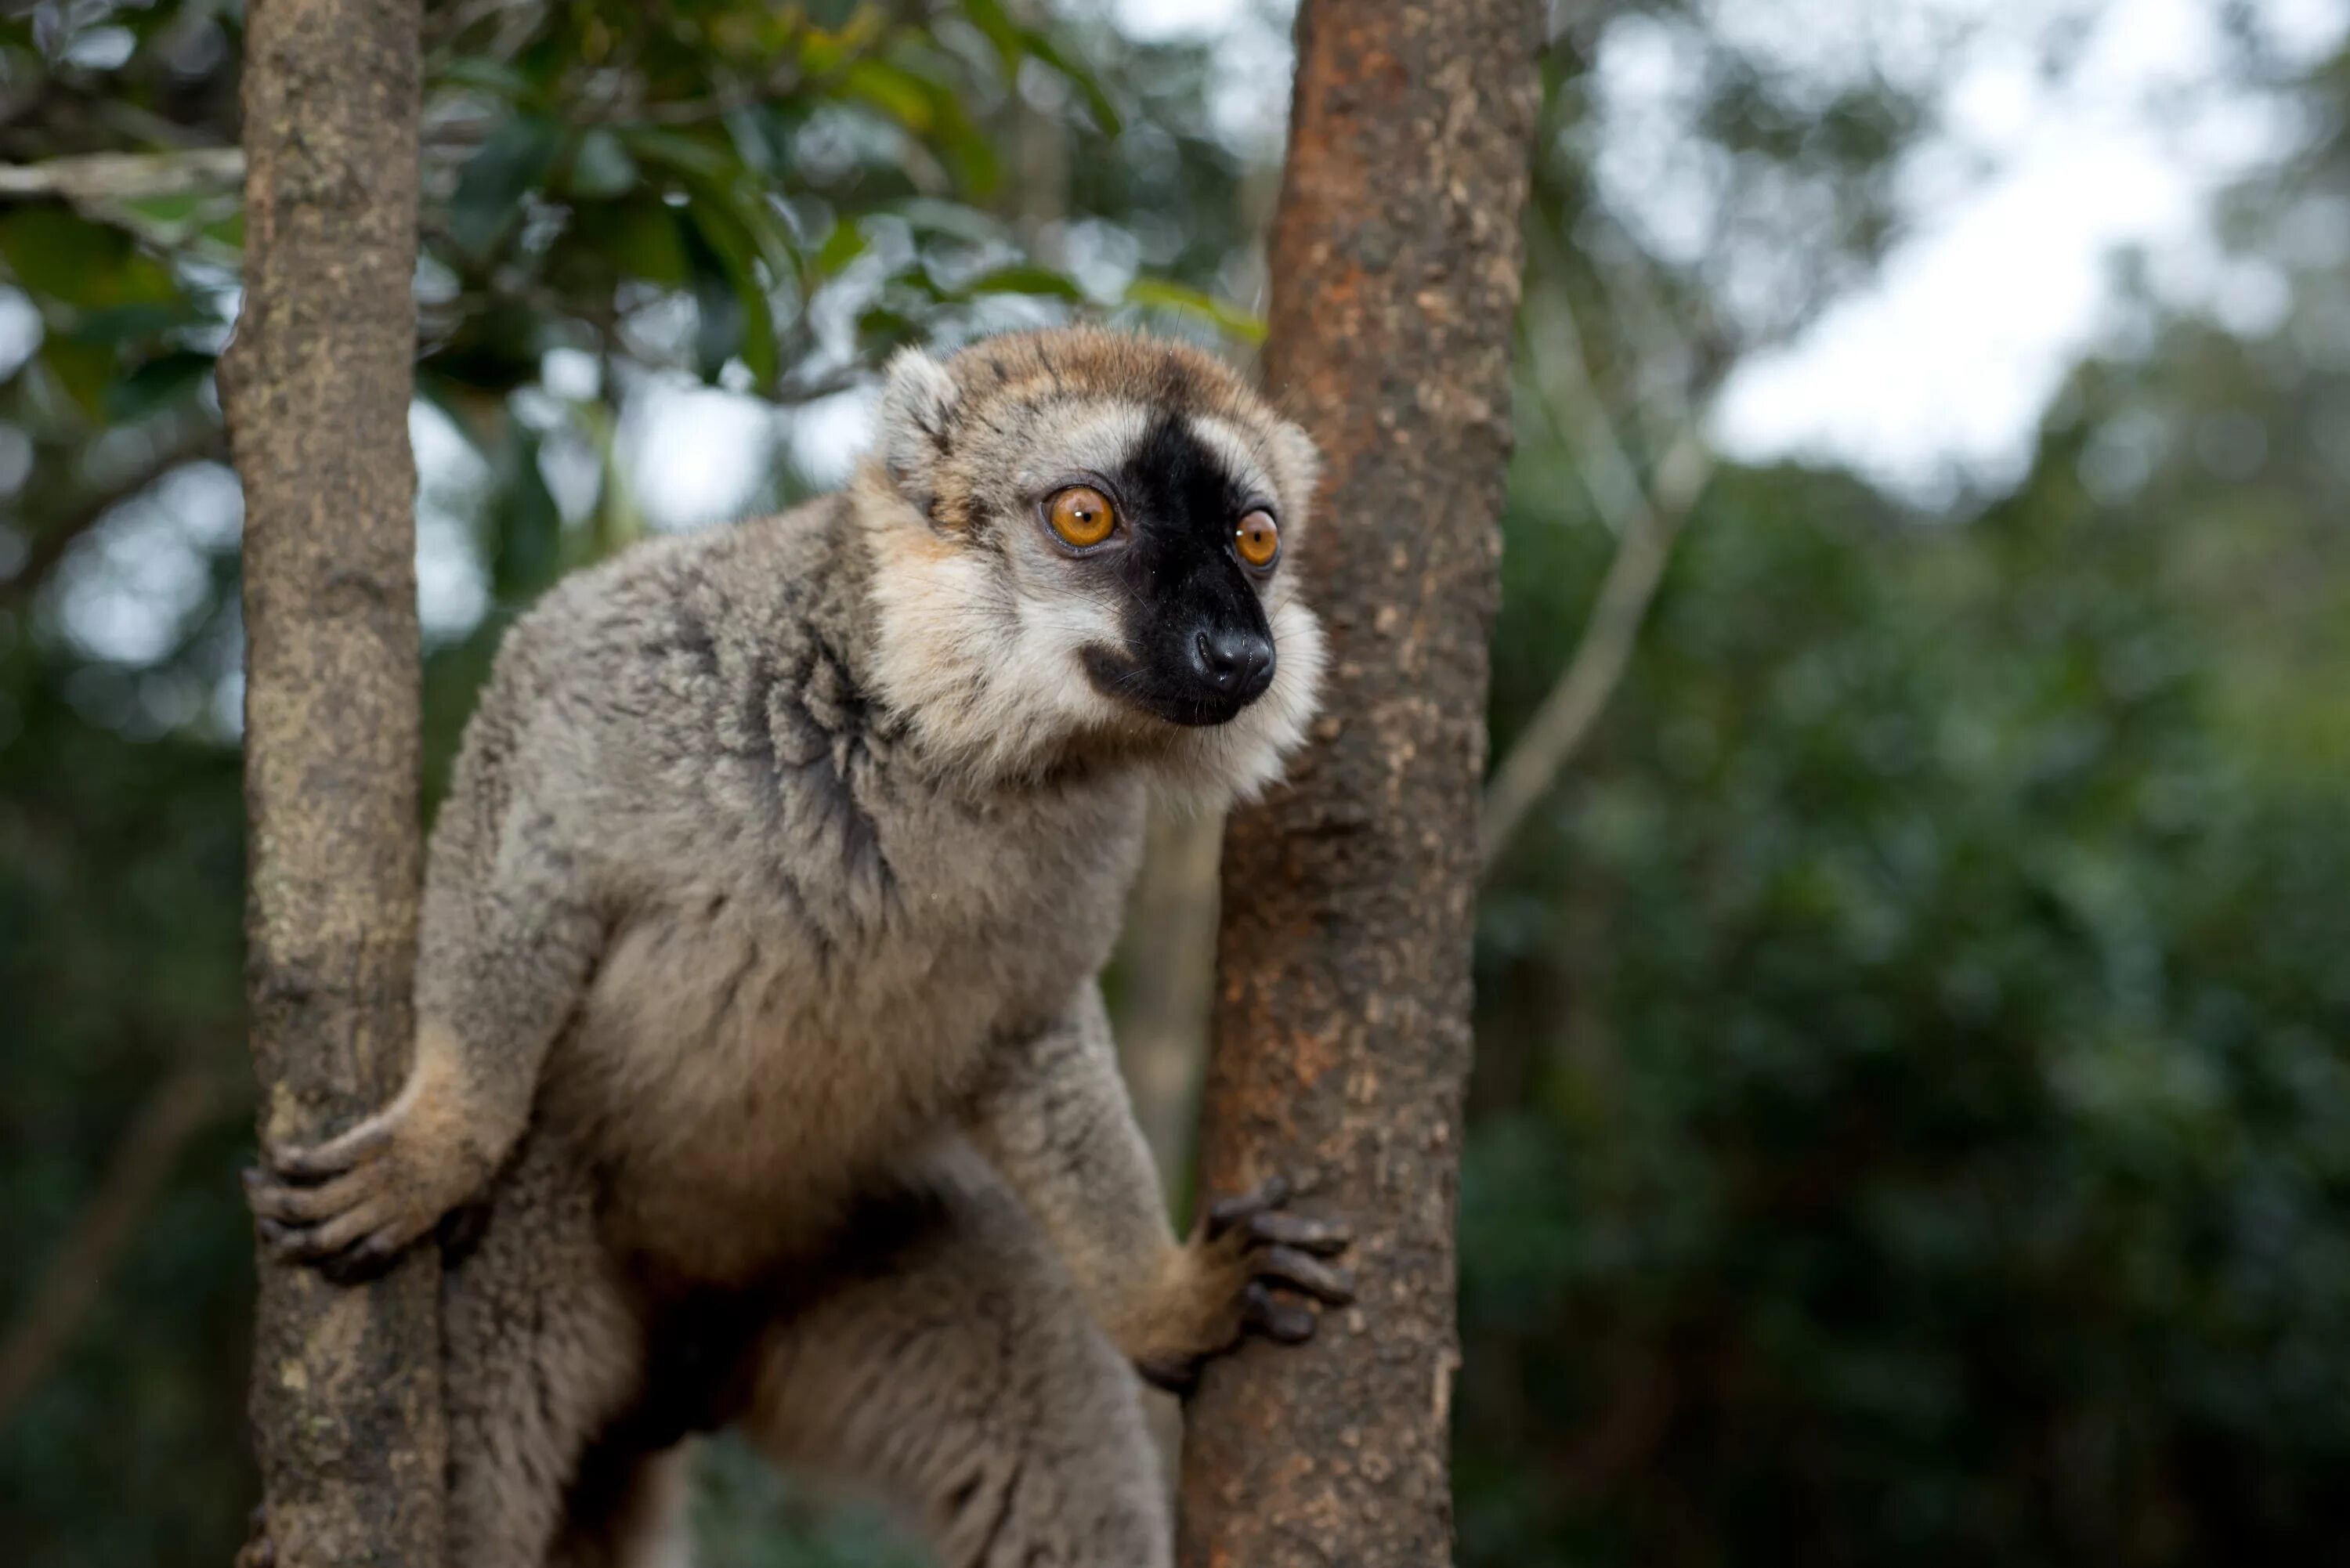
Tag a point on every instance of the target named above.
point(346, 1394)
point(1168, 957)
point(1341, 1045)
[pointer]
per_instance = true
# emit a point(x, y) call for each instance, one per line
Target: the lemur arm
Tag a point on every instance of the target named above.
point(1054, 1119)
point(507, 938)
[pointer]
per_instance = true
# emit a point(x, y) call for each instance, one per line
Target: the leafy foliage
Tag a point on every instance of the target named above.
point(1914, 1046)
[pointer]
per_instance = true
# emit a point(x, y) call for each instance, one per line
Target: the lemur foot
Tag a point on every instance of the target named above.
point(1245, 1270)
point(1281, 1249)
point(351, 1204)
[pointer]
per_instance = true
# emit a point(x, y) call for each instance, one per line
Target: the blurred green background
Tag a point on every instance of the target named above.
point(1912, 1116)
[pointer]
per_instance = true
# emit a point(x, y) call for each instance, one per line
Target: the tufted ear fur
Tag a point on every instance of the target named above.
point(1300, 464)
point(917, 409)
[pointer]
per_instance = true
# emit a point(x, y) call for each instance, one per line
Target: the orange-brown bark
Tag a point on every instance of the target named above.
point(1343, 968)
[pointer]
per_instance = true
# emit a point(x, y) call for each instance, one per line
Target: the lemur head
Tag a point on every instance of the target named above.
point(1083, 546)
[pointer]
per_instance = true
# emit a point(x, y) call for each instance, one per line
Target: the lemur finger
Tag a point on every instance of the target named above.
point(336, 1156)
point(273, 1199)
point(285, 1243)
point(319, 1241)
point(1288, 1266)
point(1290, 1323)
point(1270, 1193)
point(361, 1262)
point(1323, 1238)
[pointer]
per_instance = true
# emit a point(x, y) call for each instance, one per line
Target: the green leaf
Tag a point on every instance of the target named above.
point(490, 189)
point(128, 323)
point(602, 169)
point(55, 253)
point(674, 150)
point(487, 75)
point(882, 328)
point(735, 250)
point(1157, 294)
point(156, 385)
point(1024, 277)
point(964, 146)
point(529, 546)
point(893, 89)
point(173, 211)
point(844, 245)
point(949, 218)
point(1043, 49)
point(997, 26)
point(640, 238)
point(83, 371)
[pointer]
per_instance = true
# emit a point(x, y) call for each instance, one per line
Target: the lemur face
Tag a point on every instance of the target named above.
point(1181, 539)
point(1110, 528)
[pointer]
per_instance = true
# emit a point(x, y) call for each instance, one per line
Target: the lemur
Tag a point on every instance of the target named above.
point(762, 1073)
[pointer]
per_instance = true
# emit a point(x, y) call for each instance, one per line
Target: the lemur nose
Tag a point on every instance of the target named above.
point(1238, 663)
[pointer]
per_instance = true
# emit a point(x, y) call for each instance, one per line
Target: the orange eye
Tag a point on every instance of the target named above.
point(1081, 515)
point(1258, 539)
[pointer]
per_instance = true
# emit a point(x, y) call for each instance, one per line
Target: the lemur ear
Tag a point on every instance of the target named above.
point(917, 404)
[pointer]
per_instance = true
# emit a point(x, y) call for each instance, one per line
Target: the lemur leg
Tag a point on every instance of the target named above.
point(540, 1349)
point(1053, 1118)
point(951, 1363)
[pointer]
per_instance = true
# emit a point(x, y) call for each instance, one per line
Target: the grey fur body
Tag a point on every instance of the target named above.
point(801, 919)
point(757, 1018)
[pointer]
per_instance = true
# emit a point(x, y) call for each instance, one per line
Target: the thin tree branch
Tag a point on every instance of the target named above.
point(1645, 522)
point(126, 176)
point(175, 1111)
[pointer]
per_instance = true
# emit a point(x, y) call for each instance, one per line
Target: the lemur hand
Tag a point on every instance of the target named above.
point(1244, 1270)
point(352, 1203)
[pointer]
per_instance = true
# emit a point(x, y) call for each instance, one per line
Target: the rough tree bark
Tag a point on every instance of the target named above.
point(346, 1394)
point(1341, 1044)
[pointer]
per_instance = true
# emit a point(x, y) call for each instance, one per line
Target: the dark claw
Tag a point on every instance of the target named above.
point(1271, 1193)
point(360, 1261)
point(273, 1199)
point(282, 1236)
point(1286, 1321)
point(1314, 1277)
point(1319, 1237)
point(301, 1167)
point(321, 1162)
point(294, 1243)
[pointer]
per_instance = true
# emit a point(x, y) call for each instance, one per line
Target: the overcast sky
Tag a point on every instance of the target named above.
point(1942, 368)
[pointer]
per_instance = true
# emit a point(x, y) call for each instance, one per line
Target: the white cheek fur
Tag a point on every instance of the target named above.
point(994, 678)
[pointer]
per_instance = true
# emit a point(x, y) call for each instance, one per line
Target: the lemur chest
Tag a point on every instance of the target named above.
point(760, 1042)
